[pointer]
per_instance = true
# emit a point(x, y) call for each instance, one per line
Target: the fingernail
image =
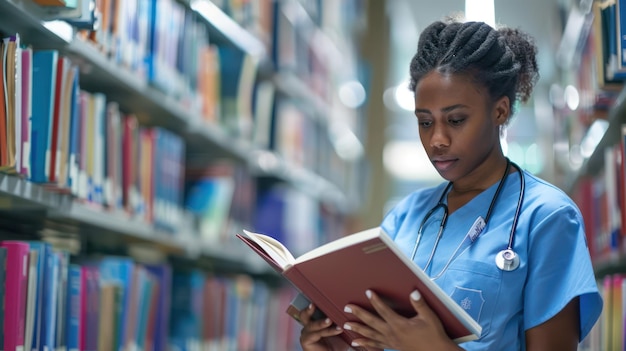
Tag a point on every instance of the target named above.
point(327, 321)
point(347, 326)
point(354, 344)
point(415, 295)
point(310, 306)
point(368, 293)
point(338, 328)
point(347, 309)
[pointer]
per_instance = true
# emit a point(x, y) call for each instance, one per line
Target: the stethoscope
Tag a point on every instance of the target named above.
point(506, 260)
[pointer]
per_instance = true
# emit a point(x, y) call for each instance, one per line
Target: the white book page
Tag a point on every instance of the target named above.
point(272, 247)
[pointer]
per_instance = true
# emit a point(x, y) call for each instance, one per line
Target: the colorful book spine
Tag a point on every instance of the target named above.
point(44, 78)
point(3, 271)
point(163, 274)
point(50, 307)
point(27, 84)
point(73, 307)
point(42, 252)
point(16, 285)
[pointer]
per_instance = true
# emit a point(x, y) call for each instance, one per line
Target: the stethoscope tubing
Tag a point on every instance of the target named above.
point(441, 204)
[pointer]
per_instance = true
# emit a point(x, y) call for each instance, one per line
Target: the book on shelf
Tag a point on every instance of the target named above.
point(339, 272)
point(15, 285)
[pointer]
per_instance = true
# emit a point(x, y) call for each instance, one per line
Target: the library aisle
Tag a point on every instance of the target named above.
point(137, 137)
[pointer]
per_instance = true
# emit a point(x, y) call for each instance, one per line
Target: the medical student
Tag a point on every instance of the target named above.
point(507, 246)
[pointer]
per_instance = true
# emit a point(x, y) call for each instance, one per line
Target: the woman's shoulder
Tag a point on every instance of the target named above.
point(545, 196)
point(409, 205)
point(417, 200)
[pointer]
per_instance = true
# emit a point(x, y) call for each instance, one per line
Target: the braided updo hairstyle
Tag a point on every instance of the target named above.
point(504, 60)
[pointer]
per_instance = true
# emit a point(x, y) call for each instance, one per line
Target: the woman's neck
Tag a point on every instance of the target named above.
point(463, 191)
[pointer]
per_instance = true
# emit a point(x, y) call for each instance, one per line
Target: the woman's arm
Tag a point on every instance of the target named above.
point(560, 332)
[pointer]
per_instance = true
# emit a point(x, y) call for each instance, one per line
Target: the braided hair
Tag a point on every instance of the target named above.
point(504, 60)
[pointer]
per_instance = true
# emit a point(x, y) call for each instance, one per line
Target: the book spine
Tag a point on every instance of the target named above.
point(3, 276)
point(73, 307)
point(44, 77)
point(15, 294)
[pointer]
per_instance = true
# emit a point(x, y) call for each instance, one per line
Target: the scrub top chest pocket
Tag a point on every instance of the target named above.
point(476, 286)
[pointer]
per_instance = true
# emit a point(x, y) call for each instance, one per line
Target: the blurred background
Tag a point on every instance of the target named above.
point(528, 145)
point(138, 137)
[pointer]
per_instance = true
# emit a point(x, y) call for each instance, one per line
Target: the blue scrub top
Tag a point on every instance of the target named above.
point(555, 266)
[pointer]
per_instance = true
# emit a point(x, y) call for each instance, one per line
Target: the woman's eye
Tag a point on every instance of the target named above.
point(456, 121)
point(424, 124)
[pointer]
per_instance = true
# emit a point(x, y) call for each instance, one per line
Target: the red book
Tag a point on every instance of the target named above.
point(62, 67)
point(16, 286)
point(129, 162)
point(362, 261)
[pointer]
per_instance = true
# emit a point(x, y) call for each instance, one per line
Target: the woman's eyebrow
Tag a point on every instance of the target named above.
point(445, 109)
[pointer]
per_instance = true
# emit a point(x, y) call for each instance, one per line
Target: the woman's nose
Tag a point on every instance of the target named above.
point(439, 137)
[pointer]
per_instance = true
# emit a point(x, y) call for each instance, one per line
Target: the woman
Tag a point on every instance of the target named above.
point(467, 79)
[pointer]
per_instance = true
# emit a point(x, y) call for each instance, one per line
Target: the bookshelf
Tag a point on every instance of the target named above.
point(598, 184)
point(595, 163)
point(124, 236)
point(158, 109)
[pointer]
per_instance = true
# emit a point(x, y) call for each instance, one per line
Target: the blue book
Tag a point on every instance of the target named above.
point(73, 307)
point(62, 286)
point(163, 274)
point(231, 319)
point(43, 250)
point(186, 311)
point(43, 93)
point(50, 293)
point(143, 311)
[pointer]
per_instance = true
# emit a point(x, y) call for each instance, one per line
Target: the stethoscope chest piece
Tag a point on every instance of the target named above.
point(507, 260)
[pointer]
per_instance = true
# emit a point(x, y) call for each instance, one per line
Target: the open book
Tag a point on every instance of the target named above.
point(339, 272)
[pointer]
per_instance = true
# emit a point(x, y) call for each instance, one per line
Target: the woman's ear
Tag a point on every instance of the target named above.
point(502, 110)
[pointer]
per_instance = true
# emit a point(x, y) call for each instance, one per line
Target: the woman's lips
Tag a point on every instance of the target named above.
point(443, 165)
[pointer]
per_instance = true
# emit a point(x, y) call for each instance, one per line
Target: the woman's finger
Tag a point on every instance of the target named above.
point(420, 306)
point(384, 311)
point(305, 315)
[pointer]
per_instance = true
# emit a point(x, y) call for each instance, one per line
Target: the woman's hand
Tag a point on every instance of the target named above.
point(424, 331)
point(319, 335)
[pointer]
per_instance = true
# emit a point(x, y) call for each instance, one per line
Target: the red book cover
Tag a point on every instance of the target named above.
point(129, 159)
point(362, 261)
point(62, 66)
point(16, 286)
point(151, 332)
point(214, 300)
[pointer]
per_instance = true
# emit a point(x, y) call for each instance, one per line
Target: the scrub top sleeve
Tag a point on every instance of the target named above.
point(559, 269)
point(393, 219)
point(389, 224)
